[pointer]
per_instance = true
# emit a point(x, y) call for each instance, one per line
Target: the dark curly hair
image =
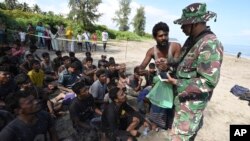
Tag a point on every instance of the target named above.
point(160, 26)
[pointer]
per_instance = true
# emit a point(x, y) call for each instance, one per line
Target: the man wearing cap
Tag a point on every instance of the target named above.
point(197, 73)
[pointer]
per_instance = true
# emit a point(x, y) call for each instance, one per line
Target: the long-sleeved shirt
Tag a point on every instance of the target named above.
point(199, 71)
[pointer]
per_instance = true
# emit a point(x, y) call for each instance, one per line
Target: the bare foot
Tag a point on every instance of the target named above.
point(155, 127)
point(135, 133)
point(61, 113)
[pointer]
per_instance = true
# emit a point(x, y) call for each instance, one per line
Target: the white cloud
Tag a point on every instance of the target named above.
point(107, 8)
point(242, 33)
point(153, 14)
point(29, 2)
point(61, 8)
point(245, 32)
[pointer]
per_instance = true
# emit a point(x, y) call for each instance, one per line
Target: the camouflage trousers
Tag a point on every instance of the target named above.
point(187, 120)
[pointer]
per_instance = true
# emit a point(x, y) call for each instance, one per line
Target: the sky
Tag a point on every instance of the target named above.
point(232, 25)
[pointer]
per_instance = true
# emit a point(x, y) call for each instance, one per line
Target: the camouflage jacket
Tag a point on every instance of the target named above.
point(199, 71)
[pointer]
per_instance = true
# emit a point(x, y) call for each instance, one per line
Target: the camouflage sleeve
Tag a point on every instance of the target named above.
point(207, 69)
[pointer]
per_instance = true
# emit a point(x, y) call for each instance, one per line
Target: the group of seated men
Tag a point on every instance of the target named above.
point(34, 91)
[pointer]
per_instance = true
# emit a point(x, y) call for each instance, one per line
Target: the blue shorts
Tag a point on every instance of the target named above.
point(68, 98)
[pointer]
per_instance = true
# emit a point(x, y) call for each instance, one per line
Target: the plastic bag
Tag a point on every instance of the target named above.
point(161, 94)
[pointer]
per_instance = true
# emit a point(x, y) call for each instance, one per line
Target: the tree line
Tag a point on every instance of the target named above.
point(85, 13)
point(13, 4)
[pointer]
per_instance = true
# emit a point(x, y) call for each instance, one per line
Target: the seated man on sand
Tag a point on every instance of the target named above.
point(99, 88)
point(31, 123)
point(89, 71)
point(67, 78)
point(83, 112)
point(119, 120)
point(55, 99)
point(134, 82)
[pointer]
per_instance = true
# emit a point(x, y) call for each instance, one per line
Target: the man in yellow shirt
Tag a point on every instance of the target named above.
point(36, 75)
point(69, 36)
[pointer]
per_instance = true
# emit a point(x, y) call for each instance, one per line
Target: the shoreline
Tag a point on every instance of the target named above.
point(235, 55)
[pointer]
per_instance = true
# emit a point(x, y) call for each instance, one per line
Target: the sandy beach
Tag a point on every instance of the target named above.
point(223, 110)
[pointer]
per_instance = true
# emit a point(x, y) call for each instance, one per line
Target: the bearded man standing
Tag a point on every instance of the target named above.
point(165, 54)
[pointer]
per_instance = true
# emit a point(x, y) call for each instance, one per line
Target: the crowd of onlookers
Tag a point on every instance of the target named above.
point(57, 38)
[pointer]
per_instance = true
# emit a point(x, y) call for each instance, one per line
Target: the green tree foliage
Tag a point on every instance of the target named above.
point(3, 6)
point(10, 4)
point(50, 13)
point(18, 18)
point(23, 6)
point(22, 14)
point(13, 19)
point(26, 7)
point(122, 14)
point(19, 6)
point(84, 12)
point(37, 9)
point(4, 18)
point(139, 21)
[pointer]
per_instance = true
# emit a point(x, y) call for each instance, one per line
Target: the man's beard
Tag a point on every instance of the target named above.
point(162, 45)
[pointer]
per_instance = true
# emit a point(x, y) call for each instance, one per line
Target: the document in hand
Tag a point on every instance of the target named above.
point(163, 76)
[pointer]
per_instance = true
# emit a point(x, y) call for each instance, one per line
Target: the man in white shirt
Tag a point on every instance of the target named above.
point(105, 37)
point(86, 38)
point(79, 42)
point(22, 36)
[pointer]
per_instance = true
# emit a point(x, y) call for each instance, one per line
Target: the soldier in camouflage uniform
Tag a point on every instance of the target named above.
point(197, 73)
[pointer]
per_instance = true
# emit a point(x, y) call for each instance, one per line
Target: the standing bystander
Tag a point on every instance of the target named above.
point(105, 37)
